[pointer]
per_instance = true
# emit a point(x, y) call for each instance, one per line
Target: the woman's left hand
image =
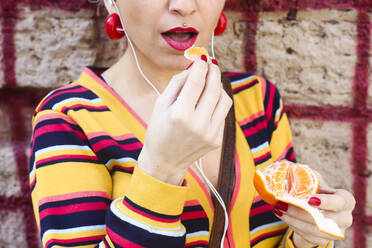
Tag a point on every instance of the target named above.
point(336, 204)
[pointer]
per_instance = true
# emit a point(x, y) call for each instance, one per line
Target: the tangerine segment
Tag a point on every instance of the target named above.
point(293, 183)
point(194, 52)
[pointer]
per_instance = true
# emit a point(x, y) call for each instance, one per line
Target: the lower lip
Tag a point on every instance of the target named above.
point(180, 46)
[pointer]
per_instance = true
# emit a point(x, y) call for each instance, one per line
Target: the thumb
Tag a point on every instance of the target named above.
point(324, 188)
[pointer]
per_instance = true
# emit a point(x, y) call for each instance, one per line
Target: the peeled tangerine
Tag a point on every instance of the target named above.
point(294, 184)
point(194, 52)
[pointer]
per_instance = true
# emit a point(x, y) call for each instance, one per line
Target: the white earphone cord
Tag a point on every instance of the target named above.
point(199, 166)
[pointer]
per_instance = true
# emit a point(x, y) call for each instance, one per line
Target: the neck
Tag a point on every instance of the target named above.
point(124, 75)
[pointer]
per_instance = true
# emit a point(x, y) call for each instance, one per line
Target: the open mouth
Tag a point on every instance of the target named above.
point(180, 38)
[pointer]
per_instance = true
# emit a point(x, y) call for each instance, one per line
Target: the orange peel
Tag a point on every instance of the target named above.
point(294, 183)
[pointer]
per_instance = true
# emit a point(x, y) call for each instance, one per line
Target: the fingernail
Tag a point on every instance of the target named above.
point(314, 201)
point(203, 57)
point(281, 206)
point(277, 212)
point(190, 65)
point(214, 62)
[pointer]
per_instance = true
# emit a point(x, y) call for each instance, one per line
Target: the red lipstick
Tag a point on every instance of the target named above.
point(180, 38)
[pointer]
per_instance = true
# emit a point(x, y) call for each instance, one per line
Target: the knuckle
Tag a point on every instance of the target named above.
point(348, 220)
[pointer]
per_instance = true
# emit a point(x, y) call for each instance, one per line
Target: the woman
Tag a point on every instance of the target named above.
point(112, 160)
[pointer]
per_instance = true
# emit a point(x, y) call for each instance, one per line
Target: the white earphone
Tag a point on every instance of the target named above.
point(199, 166)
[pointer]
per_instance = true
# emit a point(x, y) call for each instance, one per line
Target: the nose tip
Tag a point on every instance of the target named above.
point(182, 7)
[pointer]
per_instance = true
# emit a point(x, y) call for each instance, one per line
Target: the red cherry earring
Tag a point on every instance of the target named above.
point(113, 27)
point(221, 25)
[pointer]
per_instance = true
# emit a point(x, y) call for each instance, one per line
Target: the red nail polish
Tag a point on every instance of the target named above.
point(203, 57)
point(277, 212)
point(281, 206)
point(190, 65)
point(214, 62)
point(314, 201)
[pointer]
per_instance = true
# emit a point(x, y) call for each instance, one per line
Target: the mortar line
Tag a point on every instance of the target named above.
point(18, 133)
point(360, 143)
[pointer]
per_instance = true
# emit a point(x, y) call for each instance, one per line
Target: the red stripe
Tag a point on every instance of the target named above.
point(193, 215)
point(260, 209)
point(129, 169)
point(70, 241)
point(264, 235)
point(152, 217)
point(232, 74)
point(269, 107)
point(88, 107)
point(58, 128)
point(121, 240)
point(199, 242)
point(63, 157)
point(262, 157)
point(74, 208)
point(252, 130)
point(105, 143)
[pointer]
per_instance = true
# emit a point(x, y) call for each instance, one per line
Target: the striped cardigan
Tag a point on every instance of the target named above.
point(88, 192)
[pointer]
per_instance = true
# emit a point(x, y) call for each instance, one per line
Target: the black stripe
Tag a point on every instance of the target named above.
point(196, 225)
point(258, 162)
point(74, 201)
point(262, 219)
point(192, 208)
point(75, 244)
point(148, 211)
point(141, 236)
point(65, 160)
point(57, 138)
point(254, 122)
point(266, 237)
point(84, 218)
point(239, 76)
point(250, 85)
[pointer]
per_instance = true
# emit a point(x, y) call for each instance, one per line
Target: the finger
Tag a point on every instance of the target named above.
point(302, 239)
point(222, 109)
point(211, 94)
point(305, 227)
point(324, 188)
point(296, 212)
point(171, 92)
point(194, 84)
point(343, 219)
point(330, 202)
point(348, 197)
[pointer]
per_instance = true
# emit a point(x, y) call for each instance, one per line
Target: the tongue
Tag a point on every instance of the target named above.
point(179, 36)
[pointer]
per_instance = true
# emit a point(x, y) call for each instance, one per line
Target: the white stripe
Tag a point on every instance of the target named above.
point(197, 234)
point(243, 79)
point(260, 147)
point(265, 226)
point(101, 245)
point(179, 231)
point(120, 160)
point(95, 100)
point(73, 230)
point(62, 147)
point(278, 112)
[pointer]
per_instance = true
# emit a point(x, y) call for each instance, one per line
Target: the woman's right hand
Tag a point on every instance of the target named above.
point(186, 123)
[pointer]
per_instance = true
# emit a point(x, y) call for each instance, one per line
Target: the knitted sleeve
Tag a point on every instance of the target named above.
point(71, 193)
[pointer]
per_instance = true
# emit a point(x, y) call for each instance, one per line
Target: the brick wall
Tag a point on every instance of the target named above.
point(317, 52)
